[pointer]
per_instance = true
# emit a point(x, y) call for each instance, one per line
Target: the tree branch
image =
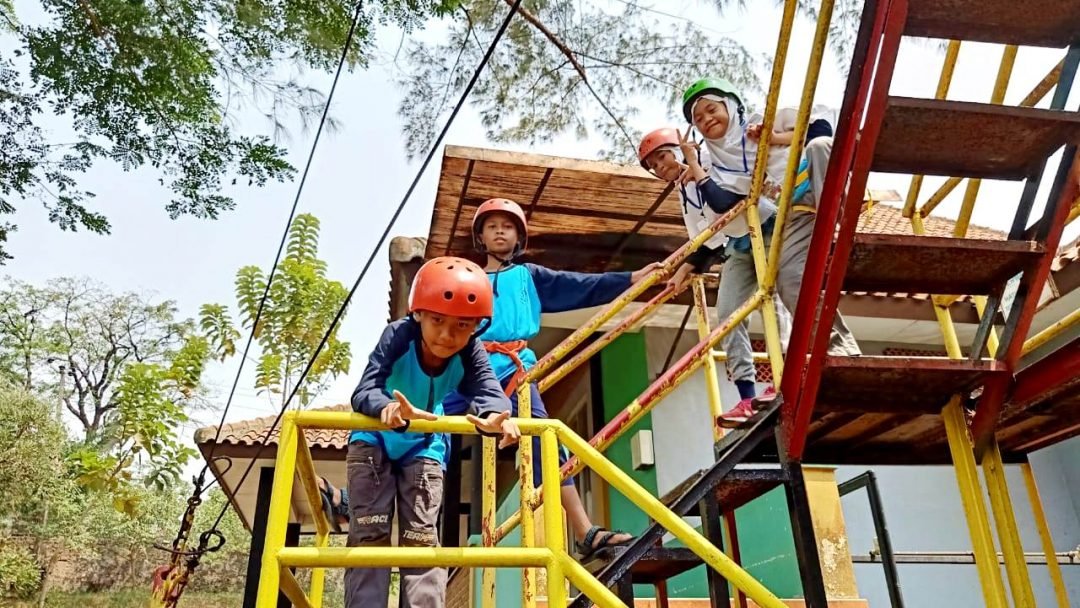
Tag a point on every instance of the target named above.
point(580, 69)
point(552, 37)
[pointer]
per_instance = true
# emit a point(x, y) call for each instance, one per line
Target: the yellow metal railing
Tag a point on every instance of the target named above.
point(766, 261)
point(293, 460)
point(960, 445)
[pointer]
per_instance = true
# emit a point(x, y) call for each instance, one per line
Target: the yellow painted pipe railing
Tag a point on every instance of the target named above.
point(277, 559)
point(766, 263)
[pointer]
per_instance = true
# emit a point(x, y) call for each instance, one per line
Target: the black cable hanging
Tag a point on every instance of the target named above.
point(375, 250)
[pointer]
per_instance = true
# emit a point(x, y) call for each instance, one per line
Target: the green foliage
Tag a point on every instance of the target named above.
point(124, 366)
point(564, 67)
point(19, 573)
point(299, 308)
point(159, 84)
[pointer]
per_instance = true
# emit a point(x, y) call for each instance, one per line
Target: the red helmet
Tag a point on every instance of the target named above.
point(655, 140)
point(452, 286)
point(504, 205)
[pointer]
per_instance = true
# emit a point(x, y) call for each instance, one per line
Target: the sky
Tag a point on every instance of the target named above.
point(360, 173)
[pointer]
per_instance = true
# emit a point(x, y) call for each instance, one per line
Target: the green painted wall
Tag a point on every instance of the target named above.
point(768, 550)
point(624, 375)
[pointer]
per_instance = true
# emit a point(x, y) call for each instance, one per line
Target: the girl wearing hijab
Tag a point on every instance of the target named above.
point(714, 108)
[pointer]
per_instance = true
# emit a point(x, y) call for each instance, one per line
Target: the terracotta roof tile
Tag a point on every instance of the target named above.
point(887, 219)
point(251, 432)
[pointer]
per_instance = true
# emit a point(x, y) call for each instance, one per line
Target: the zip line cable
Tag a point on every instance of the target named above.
point(182, 561)
point(285, 232)
point(375, 250)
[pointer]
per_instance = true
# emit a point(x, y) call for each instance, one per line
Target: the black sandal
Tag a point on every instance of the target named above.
point(586, 548)
point(333, 514)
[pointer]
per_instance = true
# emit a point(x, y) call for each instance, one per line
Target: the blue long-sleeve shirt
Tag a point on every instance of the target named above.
point(524, 292)
point(394, 364)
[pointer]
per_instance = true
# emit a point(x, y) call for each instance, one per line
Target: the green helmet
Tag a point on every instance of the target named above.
point(716, 86)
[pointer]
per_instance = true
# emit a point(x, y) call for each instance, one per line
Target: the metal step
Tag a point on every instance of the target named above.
point(898, 385)
point(739, 444)
point(740, 486)
point(658, 564)
point(925, 264)
point(1052, 23)
point(964, 139)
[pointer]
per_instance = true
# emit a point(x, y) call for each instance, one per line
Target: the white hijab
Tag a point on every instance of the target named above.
point(734, 155)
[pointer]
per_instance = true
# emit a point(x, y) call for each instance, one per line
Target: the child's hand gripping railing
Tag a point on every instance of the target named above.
point(294, 458)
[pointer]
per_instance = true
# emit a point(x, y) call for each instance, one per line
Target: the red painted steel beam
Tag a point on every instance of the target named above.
point(845, 194)
point(993, 397)
point(1047, 377)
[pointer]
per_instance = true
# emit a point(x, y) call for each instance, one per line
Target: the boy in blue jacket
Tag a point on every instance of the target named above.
point(522, 292)
point(417, 362)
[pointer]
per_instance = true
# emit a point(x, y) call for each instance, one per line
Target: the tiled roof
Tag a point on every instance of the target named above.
point(887, 219)
point(251, 432)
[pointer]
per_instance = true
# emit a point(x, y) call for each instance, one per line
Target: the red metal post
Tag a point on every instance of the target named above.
point(990, 403)
point(867, 107)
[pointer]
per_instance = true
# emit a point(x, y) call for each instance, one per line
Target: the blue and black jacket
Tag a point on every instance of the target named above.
point(395, 364)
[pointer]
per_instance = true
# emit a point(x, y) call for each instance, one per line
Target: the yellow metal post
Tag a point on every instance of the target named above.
point(587, 583)
point(1011, 546)
point(305, 468)
point(1074, 212)
point(292, 590)
point(967, 475)
point(656, 510)
point(1052, 564)
point(630, 322)
point(487, 518)
point(1051, 332)
point(277, 518)
point(992, 339)
point(944, 81)
point(528, 524)
point(413, 557)
point(1008, 60)
point(318, 575)
point(712, 385)
point(554, 533)
point(636, 410)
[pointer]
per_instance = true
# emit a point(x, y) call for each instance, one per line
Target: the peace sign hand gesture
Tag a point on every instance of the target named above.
point(399, 412)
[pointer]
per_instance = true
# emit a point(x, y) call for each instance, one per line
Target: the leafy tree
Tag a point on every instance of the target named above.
point(564, 67)
point(159, 83)
point(121, 365)
point(298, 311)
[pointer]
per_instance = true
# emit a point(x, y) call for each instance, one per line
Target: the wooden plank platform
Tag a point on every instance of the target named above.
point(1053, 23)
point(964, 139)
point(925, 264)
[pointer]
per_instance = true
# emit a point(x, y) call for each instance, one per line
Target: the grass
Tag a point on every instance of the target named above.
point(138, 598)
point(128, 598)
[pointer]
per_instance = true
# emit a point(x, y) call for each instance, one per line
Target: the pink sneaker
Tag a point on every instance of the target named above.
point(744, 410)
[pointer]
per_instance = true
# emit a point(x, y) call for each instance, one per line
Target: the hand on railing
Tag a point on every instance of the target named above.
point(397, 414)
point(680, 275)
point(498, 424)
point(644, 271)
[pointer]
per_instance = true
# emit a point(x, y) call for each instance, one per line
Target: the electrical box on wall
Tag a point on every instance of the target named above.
point(641, 450)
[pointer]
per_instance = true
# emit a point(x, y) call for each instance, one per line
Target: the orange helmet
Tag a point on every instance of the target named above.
point(504, 205)
point(452, 286)
point(655, 140)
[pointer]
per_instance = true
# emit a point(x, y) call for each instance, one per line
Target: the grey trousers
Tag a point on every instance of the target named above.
point(738, 280)
point(375, 489)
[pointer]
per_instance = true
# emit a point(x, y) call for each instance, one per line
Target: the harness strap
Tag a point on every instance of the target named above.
point(510, 349)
